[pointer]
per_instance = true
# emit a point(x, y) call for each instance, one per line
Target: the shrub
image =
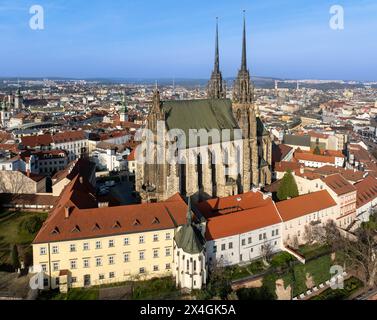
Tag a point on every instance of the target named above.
point(281, 259)
point(31, 225)
point(263, 293)
point(14, 257)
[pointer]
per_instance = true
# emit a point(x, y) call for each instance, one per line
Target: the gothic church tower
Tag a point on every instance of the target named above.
point(244, 112)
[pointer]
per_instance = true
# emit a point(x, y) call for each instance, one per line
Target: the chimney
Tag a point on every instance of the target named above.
point(103, 204)
point(67, 212)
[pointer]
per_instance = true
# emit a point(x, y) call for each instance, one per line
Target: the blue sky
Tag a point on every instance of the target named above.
point(166, 38)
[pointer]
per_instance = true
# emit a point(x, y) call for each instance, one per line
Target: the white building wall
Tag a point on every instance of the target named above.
point(245, 247)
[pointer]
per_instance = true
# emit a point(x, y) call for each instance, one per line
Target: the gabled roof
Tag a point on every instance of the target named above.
point(366, 191)
point(238, 214)
point(305, 204)
point(294, 140)
point(338, 184)
point(204, 114)
point(86, 220)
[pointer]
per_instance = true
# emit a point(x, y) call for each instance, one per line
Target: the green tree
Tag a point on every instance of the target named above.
point(288, 187)
point(14, 257)
point(317, 150)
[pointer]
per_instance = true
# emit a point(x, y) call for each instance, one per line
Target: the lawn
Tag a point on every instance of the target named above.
point(155, 289)
point(314, 250)
point(318, 269)
point(10, 234)
point(73, 294)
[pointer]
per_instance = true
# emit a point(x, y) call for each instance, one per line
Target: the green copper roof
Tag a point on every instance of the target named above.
point(205, 114)
point(189, 239)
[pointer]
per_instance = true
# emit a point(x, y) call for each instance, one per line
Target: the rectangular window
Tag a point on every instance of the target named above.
point(73, 280)
point(98, 262)
point(111, 260)
point(243, 242)
point(85, 246)
point(155, 238)
point(126, 241)
point(168, 236)
point(72, 248)
point(168, 252)
point(86, 263)
point(126, 257)
point(214, 249)
point(111, 244)
point(223, 247)
point(277, 232)
point(155, 253)
point(260, 237)
point(141, 239)
point(44, 267)
point(112, 275)
point(55, 250)
point(273, 233)
point(101, 277)
point(142, 270)
point(168, 267)
point(98, 245)
point(249, 240)
point(141, 255)
point(43, 251)
point(73, 264)
point(55, 266)
point(155, 268)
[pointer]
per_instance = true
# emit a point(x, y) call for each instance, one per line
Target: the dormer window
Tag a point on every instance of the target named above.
point(76, 229)
point(117, 225)
point(136, 222)
point(96, 227)
point(156, 221)
point(55, 231)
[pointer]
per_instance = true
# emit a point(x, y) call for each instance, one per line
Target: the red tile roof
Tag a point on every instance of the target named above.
point(88, 221)
point(304, 205)
point(68, 136)
point(286, 165)
point(36, 141)
point(238, 214)
point(338, 184)
point(366, 191)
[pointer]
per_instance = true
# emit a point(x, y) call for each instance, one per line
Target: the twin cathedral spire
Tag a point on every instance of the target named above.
point(243, 90)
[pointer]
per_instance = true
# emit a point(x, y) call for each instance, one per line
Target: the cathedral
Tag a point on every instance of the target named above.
point(206, 178)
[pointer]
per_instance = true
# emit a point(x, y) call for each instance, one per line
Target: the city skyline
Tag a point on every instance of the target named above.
point(131, 40)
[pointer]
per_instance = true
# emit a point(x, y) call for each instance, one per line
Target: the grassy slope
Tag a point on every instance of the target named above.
point(10, 234)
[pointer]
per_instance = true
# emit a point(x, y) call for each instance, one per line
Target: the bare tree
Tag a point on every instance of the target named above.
point(267, 251)
point(359, 249)
point(314, 233)
point(13, 183)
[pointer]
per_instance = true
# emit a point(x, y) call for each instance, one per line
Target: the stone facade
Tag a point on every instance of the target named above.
point(205, 178)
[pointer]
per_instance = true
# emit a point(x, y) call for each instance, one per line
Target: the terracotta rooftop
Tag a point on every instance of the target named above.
point(338, 184)
point(366, 191)
point(86, 220)
point(238, 214)
point(350, 175)
point(68, 136)
point(287, 165)
point(35, 141)
point(305, 204)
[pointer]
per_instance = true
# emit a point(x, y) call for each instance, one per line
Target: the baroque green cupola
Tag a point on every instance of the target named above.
point(189, 237)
